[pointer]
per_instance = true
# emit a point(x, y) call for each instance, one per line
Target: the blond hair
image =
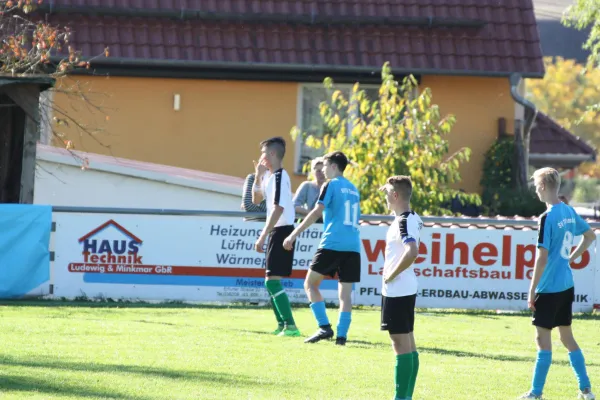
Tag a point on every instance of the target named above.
point(548, 176)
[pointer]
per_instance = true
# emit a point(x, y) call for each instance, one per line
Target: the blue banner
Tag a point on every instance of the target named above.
point(24, 248)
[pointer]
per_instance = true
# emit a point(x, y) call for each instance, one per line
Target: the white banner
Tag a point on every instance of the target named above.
point(597, 285)
point(471, 268)
point(170, 258)
point(209, 259)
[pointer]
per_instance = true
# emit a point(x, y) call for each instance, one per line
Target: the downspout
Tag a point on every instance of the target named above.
point(522, 133)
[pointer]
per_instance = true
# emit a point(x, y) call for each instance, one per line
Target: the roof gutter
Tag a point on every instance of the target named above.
point(563, 158)
point(515, 80)
point(259, 18)
point(522, 149)
point(193, 65)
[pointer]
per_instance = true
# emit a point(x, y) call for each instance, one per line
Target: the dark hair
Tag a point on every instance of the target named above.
point(402, 184)
point(338, 158)
point(275, 143)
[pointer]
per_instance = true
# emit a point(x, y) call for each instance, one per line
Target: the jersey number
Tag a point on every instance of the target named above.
point(567, 245)
point(351, 216)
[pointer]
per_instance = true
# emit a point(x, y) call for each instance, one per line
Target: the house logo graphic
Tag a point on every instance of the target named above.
point(109, 253)
point(123, 251)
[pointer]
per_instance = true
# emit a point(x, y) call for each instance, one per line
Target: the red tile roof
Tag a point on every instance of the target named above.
point(501, 223)
point(548, 137)
point(470, 37)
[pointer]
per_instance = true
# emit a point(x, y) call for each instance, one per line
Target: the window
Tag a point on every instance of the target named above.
point(309, 117)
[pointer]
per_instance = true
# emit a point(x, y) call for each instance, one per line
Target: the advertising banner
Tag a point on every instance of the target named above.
point(213, 259)
point(24, 250)
point(171, 258)
point(471, 268)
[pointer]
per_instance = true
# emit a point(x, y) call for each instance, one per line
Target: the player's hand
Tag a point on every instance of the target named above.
point(260, 167)
point(260, 243)
point(388, 278)
point(288, 243)
point(531, 301)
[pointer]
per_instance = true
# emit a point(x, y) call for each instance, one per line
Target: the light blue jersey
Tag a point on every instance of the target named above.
point(558, 227)
point(341, 215)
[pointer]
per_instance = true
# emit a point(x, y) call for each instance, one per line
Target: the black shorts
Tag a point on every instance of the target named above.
point(346, 264)
point(554, 309)
point(398, 314)
point(279, 261)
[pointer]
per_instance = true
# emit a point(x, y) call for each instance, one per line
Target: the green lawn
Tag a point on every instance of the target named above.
point(137, 351)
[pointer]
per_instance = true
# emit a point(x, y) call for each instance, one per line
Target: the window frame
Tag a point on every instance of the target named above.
point(300, 117)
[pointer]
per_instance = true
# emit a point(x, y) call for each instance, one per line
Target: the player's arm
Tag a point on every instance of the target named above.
point(277, 208)
point(541, 257)
point(247, 204)
point(588, 238)
point(273, 217)
point(272, 220)
point(260, 170)
point(582, 228)
point(408, 235)
point(411, 252)
point(310, 219)
point(257, 194)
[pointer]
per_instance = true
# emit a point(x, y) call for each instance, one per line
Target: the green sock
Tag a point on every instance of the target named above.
point(413, 377)
point(404, 369)
point(281, 301)
point(277, 314)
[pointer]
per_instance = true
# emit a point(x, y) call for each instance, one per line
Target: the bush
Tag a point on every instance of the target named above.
point(500, 195)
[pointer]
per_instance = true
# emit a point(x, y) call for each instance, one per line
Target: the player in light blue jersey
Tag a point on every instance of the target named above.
point(339, 250)
point(552, 289)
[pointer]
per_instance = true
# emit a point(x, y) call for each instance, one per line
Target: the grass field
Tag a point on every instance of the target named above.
point(140, 351)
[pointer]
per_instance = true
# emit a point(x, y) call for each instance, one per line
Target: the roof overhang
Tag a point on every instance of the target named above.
point(117, 66)
point(44, 82)
point(560, 160)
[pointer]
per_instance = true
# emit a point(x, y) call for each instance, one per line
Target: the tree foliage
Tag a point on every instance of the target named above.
point(400, 133)
point(501, 194)
point(583, 14)
point(566, 94)
point(30, 46)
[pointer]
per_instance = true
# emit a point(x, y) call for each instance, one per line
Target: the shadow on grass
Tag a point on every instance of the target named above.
point(17, 383)
point(219, 378)
point(255, 332)
point(460, 354)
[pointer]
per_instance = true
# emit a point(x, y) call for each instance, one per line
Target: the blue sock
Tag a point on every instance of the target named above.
point(344, 323)
point(542, 366)
point(318, 310)
point(578, 364)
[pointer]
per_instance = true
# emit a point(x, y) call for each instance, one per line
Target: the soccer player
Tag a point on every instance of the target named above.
point(552, 292)
point(276, 188)
point(399, 288)
point(339, 249)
